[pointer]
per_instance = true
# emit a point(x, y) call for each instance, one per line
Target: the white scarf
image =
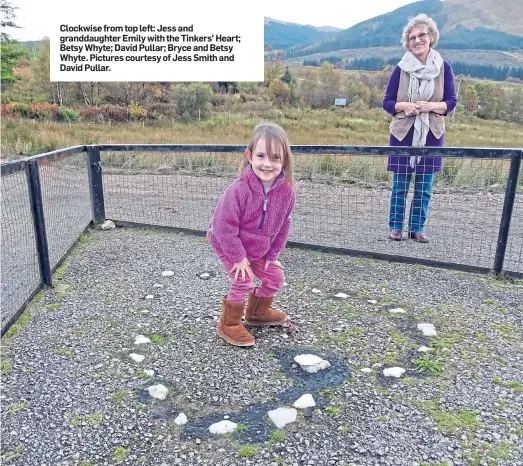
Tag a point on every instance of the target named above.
point(421, 87)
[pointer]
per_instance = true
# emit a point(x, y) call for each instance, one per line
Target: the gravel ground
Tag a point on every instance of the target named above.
point(73, 396)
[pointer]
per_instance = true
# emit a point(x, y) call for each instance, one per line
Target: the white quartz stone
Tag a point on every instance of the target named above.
point(311, 363)
point(137, 357)
point(283, 416)
point(428, 329)
point(158, 391)
point(222, 427)
point(140, 339)
point(181, 419)
point(304, 401)
point(393, 372)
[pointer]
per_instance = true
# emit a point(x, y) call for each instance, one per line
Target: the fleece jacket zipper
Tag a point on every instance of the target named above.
point(265, 201)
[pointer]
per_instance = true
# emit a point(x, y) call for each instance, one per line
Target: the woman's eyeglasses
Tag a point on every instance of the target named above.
point(419, 36)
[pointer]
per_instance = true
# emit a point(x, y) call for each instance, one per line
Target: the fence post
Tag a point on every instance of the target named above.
point(96, 189)
point(37, 210)
point(506, 215)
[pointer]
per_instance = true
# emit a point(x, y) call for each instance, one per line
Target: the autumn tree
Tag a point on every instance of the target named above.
point(272, 71)
point(191, 100)
point(470, 99)
point(10, 50)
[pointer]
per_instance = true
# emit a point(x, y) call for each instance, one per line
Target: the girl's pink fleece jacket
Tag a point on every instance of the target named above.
point(248, 222)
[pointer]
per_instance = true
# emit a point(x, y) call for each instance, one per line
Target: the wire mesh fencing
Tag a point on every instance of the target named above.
point(514, 252)
point(175, 189)
point(66, 202)
point(343, 201)
point(347, 202)
point(20, 274)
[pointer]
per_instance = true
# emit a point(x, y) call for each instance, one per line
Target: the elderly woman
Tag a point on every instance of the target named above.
point(419, 94)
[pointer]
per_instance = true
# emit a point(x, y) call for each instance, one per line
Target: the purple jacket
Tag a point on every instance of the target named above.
point(397, 163)
point(248, 222)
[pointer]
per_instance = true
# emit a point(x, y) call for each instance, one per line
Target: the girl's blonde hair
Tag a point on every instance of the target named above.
point(274, 135)
point(421, 20)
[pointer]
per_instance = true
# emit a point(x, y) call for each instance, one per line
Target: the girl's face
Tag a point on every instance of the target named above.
point(267, 169)
point(419, 43)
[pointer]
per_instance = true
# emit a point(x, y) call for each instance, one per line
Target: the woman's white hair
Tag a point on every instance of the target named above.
point(419, 21)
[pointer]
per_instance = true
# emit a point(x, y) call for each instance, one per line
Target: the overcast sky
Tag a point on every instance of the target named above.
point(33, 15)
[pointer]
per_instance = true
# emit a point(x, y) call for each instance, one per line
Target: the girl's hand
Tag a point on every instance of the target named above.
point(242, 267)
point(277, 263)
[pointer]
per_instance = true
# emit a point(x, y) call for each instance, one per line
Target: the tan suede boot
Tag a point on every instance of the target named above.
point(259, 312)
point(230, 326)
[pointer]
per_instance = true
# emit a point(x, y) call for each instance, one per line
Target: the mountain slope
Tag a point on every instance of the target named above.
point(283, 35)
point(502, 15)
point(385, 31)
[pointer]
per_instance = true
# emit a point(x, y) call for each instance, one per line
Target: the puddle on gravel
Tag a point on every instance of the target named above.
point(258, 426)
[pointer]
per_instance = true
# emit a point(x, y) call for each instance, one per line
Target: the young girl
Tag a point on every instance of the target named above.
point(249, 229)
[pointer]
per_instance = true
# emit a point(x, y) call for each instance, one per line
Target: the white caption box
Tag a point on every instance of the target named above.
point(157, 41)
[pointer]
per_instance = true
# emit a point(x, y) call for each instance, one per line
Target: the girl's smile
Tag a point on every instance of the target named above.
point(267, 168)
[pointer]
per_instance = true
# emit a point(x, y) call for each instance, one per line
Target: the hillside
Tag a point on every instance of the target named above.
point(385, 30)
point(502, 15)
point(480, 57)
point(281, 35)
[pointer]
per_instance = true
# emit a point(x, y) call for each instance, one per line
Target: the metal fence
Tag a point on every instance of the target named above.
point(45, 209)
point(475, 219)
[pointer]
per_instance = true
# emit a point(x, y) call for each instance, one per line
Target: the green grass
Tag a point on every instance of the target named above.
point(5, 366)
point(84, 237)
point(426, 364)
point(16, 408)
point(87, 463)
point(52, 307)
point(142, 375)
point(120, 454)
point(14, 454)
point(396, 336)
point(241, 428)
point(502, 450)
point(514, 385)
point(118, 396)
point(90, 419)
point(19, 325)
point(331, 411)
point(63, 352)
point(451, 421)
point(247, 451)
point(159, 339)
point(277, 436)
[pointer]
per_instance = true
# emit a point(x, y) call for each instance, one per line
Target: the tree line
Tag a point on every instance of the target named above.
point(495, 73)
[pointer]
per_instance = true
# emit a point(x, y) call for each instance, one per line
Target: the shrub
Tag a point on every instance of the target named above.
point(192, 100)
point(94, 114)
point(6, 109)
point(136, 111)
point(68, 114)
point(115, 113)
point(20, 109)
point(157, 111)
point(43, 111)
